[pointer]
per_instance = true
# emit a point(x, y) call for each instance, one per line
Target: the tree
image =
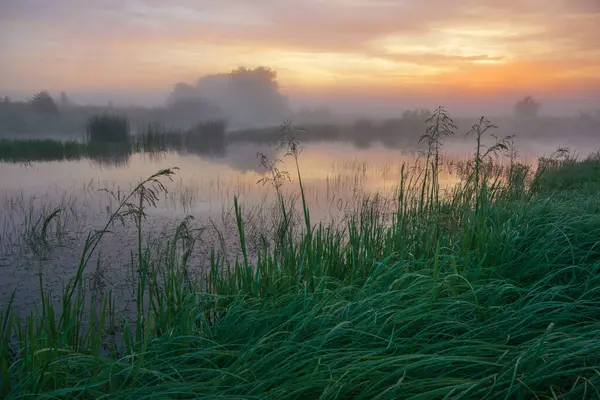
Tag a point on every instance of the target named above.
point(527, 108)
point(65, 101)
point(247, 96)
point(182, 92)
point(420, 115)
point(42, 102)
point(186, 107)
point(316, 115)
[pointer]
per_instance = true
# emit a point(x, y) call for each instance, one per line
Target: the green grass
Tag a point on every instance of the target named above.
point(490, 291)
point(19, 151)
point(565, 172)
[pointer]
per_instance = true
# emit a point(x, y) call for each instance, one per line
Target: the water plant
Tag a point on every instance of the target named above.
point(108, 128)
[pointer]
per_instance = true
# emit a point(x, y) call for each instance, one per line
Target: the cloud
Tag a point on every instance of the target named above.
point(360, 43)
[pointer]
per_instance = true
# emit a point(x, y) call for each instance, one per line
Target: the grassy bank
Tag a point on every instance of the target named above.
point(487, 291)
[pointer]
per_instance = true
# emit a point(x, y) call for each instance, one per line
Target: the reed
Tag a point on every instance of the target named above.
point(108, 128)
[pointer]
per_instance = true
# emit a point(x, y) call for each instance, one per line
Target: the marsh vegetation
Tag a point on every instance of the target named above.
point(473, 277)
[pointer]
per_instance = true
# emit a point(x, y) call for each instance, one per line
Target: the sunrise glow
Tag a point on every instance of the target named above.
point(383, 46)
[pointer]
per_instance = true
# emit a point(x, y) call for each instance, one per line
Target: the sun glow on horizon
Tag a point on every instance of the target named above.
point(315, 46)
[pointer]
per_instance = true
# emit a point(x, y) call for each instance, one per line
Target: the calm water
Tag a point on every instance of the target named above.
point(337, 176)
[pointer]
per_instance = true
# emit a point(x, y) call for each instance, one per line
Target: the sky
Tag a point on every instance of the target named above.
point(361, 51)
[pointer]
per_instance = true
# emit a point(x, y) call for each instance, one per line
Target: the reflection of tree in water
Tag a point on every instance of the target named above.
point(110, 154)
point(244, 158)
point(362, 133)
point(391, 133)
point(206, 139)
point(155, 156)
point(157, 138)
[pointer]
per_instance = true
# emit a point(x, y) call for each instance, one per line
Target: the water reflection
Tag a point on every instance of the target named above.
point(206, 139)
point(210, 141)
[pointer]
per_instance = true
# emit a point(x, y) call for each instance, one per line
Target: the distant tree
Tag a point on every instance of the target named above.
point(364, 125)
point(527, 108)
point(182, 92)
point(247, 96)
point(589, 117)
point(362, 132)
point(414, 120)
point(186, 107)
point(42, 102)
point(417, 115)
point(65, 101)
point(6, 99)
point(316, 115)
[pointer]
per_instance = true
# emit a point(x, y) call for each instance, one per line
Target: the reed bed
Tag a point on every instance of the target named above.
point(109, 141)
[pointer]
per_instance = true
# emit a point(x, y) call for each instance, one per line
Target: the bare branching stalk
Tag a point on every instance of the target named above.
point(276, 177)
point(147, 191)
point(440, 126)
point(293, 149)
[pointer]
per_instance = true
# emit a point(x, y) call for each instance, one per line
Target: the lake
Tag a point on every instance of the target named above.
point(337, 177)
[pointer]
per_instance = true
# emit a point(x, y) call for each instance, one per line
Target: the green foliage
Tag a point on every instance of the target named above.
point(563, 171)
point(499, 303)
point(39, 150)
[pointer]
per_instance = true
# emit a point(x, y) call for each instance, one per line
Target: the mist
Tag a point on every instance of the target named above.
point(369, 64)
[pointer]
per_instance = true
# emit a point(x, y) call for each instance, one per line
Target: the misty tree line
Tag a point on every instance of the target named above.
point(245, 96)
point(248, 96)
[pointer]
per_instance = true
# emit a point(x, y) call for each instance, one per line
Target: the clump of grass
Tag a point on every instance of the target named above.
point(108, 128)
point(158, 138)
point(499, 303)
point(37, 236)
point(565, 171)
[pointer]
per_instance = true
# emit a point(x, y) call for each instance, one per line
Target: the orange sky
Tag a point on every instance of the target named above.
point(334, 46)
